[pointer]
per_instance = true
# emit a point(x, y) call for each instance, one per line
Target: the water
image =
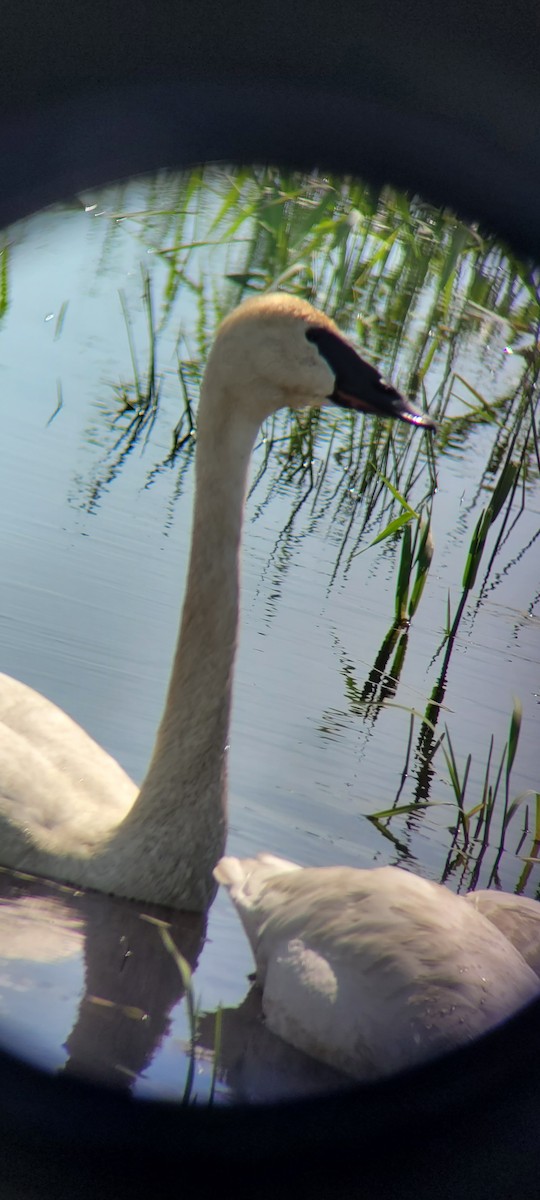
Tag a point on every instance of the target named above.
point(93, 561)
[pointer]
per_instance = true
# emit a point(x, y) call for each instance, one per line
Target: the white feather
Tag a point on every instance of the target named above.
point(373, 971)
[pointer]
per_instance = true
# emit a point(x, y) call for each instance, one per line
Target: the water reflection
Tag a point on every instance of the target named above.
point(130, 988)
point(257, 1065)
point(131, 983)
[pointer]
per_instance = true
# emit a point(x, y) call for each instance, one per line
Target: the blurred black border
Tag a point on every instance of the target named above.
point(441, 99)
point(99, 135)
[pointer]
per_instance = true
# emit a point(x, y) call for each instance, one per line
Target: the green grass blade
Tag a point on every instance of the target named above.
point(390, 530)
point(513, 737)
point(503, 488)
point(218, 1030)
point(424, 559)
point(483, 403)
point(60, 320)
point(397, 495)
point(476, 549)
point(187, 982)
point(401, 809)
point(4, 281)
point(404, 574)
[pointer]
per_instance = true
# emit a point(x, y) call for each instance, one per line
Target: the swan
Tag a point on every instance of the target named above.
point(68, 811)
point(373, 971)
point(517, 917)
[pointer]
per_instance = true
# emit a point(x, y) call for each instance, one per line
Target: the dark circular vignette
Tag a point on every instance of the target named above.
point(443, 101)
point(99, 137)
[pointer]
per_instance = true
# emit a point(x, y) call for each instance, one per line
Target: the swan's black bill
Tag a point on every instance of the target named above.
point(358, 385)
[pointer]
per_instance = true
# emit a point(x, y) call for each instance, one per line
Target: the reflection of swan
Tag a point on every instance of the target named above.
point(131, 986)
point(67, 810)
point(131, 981)
point(372, 971)
point(258, 1067)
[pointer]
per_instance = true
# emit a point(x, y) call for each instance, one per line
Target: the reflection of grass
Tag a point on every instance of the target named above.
point(470, 841)
point(471, 833)
point(193, 1015)
point(140, 399)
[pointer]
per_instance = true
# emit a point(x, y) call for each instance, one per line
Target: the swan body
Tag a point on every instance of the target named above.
point(373, 971)
point(517, 917)
point(67, 810)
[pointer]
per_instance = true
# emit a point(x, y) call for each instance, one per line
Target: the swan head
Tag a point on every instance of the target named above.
point(278, 351)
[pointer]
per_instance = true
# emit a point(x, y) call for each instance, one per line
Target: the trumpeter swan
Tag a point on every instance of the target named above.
point(67, 810)
point(372, 971)
point(517, 917)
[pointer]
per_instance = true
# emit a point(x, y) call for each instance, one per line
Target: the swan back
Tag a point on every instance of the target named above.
point(39, 745)
point(517, 917)
point(373, 971)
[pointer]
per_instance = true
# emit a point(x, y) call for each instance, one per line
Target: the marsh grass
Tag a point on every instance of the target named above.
point(141, 399)
point(59, 403)
point(193, 1012)
point(501, 502)
point(351, 249)
point(471, 837)
point(471, 833)
point(191, 1008)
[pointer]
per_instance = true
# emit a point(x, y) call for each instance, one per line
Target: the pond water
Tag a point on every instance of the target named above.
point(94, 540)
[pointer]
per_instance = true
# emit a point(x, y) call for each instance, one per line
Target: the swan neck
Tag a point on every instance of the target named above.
point(183, 796)
point(200, 685)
